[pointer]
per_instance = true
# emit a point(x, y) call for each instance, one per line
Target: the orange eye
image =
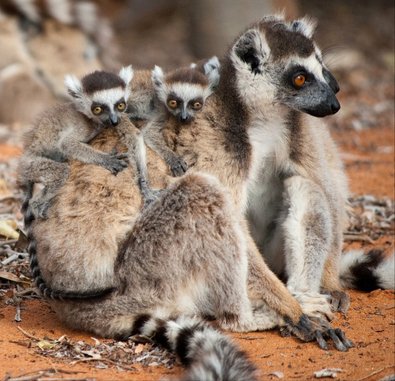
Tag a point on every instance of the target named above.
point(197, 105)
point(299, 80)
point(172, 103)
point(97, 110)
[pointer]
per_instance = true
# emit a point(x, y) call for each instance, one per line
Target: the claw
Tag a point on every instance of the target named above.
point(285, 332)
point(303, 329)
point(342, 336)
point(338, 343)
point(313, 328)
point(178, 167)
point(340, 301)
point(121, 155)
point(320, 340)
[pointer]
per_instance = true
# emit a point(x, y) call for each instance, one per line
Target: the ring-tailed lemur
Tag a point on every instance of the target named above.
point(181, 93)
point(297, 189)
point(263, 63)
point(62, 133)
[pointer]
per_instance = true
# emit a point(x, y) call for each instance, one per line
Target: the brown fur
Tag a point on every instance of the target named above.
point(187, 75)
point(192, 227)
point(115, 203)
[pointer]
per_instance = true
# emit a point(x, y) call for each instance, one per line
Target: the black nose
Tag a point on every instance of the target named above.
point(335, 106)
point(185, 118)
point(114, 120)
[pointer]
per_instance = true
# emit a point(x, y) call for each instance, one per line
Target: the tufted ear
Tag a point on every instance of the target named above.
point(74, 86)
point(252, 49)
point(157, 76)
point(126, 74)
point(211, 69)
point(305, 26)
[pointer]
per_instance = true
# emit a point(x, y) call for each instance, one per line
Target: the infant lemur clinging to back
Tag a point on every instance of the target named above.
point(63, 134)
point(181, 94)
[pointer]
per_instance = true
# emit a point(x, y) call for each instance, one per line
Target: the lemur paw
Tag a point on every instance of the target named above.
point(40, 209)
point(318, 329)
point(340, 301)
point(115, 162)
point(315, 304)
point(178, 166)
point(150, 197)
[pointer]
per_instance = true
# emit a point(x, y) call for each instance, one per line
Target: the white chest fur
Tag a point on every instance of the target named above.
point(270, 156)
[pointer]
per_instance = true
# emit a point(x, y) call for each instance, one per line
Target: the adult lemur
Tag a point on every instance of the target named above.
point(189, 252)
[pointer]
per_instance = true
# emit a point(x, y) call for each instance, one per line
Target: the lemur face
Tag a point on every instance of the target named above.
point(107, 106)
point(184, 100)
point(184, 91)
point(101, 96)
point(278, 63)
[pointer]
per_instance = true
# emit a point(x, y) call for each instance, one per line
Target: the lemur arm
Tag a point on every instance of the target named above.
point(134, 142)
point(266, 290)
point(154, 138)
point(76, 150)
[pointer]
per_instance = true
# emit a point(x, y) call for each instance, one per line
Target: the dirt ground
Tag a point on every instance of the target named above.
point(370, 322)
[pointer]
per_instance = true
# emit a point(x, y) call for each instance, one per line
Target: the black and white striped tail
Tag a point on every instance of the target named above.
point(367, 272)
point(34, 266)
point(207, 354)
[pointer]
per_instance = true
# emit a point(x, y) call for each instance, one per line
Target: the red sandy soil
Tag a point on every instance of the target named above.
point(370, 322)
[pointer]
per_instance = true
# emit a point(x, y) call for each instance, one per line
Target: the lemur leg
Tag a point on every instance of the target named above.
point(191, 237)
point(267, 292)
point(194, 223)
point(133, 140)
point(340, 299)
point(50, 173)
point(307, 228)
point(149, 194)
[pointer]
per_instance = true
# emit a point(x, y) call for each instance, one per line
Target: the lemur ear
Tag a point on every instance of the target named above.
point(157, 76)
point(305, 26)
point(211, 64)
point(126, 74)
point(73, 85)
point(252, 49)
point(211, 69)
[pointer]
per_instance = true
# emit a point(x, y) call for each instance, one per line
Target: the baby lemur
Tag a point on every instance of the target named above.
point(181, 94)
point(62, 134)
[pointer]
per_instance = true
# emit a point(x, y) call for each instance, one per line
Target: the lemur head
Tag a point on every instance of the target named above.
point(101, 95)
point(184, 91)
point(277, 62)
